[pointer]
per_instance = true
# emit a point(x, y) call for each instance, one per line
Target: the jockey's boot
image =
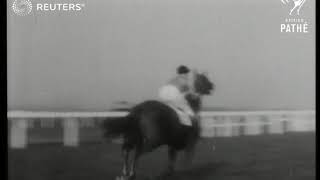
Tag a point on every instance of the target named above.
point(195, 119)
point(192, 119)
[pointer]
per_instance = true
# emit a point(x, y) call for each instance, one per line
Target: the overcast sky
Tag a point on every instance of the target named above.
point(126, 49)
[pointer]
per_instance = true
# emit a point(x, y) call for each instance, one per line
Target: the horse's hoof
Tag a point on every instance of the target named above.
point(167, 173)
point(132, 177)
point(164, 176)
point(122, 178)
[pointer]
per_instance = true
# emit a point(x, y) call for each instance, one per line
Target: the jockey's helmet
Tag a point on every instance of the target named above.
point(183, 69)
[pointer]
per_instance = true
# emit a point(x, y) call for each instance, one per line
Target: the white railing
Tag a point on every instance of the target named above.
point(213, 123)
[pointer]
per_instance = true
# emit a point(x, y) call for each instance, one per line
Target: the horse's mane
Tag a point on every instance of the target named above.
point(202, 84)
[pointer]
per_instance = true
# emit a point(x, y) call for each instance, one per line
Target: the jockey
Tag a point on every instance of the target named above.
point(175, 90)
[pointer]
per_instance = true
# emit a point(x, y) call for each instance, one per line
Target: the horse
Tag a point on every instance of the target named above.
point(152, 124)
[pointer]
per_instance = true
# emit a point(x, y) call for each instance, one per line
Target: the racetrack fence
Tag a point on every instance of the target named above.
point(71, 128)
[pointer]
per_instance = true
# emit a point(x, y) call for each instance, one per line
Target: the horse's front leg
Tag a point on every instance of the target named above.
point(135, 155)
point(125, 155)
point(172, 154)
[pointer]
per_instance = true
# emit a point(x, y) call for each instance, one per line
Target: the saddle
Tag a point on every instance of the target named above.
point(184, 118)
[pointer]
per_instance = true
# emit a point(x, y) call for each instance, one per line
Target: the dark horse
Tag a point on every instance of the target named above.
point(152, 123)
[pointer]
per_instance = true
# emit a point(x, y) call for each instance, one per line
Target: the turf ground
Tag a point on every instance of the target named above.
point(265, 157)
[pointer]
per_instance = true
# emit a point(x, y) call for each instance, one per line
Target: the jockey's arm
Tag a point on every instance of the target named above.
point(184, 84)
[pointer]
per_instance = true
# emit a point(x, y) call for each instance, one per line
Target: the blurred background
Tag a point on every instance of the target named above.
point(125, 50)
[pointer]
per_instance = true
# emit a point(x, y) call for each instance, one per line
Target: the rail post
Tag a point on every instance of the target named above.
point(253, 125)
point(276, 124)
point(70, 132)
point(18, 133)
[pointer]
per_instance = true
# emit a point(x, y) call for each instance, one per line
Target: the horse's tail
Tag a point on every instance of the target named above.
point(115, 127)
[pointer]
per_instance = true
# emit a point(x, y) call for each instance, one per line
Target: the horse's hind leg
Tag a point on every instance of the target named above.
point(125, 154)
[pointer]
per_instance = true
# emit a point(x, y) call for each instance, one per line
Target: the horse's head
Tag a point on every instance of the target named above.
point(202, 84)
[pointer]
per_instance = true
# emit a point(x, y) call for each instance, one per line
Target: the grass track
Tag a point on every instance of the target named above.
point(265, 157)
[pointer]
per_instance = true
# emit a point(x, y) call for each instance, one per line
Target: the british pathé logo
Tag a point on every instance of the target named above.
point(295, 5)
point(294, 23)
point(22, 7)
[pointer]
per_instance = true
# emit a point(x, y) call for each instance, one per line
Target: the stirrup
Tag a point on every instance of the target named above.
point(194, 117)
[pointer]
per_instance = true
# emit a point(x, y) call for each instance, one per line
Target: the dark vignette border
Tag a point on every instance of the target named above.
point(3, 88)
